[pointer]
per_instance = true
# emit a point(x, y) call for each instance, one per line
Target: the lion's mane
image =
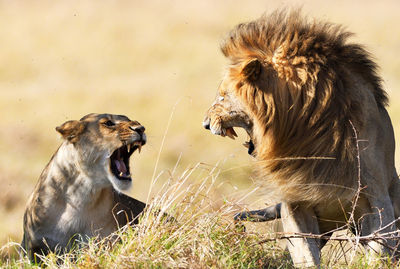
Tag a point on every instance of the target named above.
point(305, 106)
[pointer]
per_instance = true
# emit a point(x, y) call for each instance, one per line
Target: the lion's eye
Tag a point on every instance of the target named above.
point(109, 123)
point(221, 98)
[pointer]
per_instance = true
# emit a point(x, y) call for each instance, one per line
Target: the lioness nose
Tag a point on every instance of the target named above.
point(139, 128)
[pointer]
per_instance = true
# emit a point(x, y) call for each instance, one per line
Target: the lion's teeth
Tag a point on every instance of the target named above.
point(140, 147)
point(223, 132)
point(233, 132)
point(230, 135)
point(230, 132)
point(121, 174)
point(129, 147)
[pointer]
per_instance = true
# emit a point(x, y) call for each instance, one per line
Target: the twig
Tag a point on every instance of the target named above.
point(365, 238)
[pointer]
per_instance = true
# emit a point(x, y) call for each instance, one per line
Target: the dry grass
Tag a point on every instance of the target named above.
point(194, 233)
point(61, 60)
point(183, 228)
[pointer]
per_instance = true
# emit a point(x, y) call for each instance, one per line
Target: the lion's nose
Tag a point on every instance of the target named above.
point(139, 128)
point(206, 124)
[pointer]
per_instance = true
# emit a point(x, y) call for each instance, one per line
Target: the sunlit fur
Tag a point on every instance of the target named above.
point(304, 103)
point(77, 196)
point(314, 108)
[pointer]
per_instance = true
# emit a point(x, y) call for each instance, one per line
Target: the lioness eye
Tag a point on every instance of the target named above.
point(221, 98)
point(109, 123)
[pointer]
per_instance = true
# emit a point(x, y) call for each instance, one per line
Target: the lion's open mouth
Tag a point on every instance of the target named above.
point(230, 132)
point(119, 160)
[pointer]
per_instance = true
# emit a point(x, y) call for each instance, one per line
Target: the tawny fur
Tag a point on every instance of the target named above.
point(77, 196)
point(312, 103)
point(307, 76)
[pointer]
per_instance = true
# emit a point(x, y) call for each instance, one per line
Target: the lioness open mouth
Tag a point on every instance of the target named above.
point(119, 160)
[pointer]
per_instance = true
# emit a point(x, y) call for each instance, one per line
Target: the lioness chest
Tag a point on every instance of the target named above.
point(77, 212)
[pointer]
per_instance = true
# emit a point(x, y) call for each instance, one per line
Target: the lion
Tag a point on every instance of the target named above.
point(313, 106)
point(78, 194)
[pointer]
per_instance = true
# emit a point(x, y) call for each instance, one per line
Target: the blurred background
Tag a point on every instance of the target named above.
point(154, 61)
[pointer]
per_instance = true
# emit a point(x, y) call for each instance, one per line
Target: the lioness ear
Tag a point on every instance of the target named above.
point(251, 70)
point(71, 130)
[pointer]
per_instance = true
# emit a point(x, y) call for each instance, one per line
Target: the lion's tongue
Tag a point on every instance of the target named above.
point(120, 166)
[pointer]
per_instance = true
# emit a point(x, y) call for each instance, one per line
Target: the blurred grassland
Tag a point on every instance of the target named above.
point(149, 60)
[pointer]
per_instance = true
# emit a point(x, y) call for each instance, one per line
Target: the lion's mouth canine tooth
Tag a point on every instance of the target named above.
point(230, 132)
point(223, 132)
point(128, 148)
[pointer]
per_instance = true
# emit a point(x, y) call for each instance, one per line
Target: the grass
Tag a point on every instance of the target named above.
point(62, 60)
point(193, 234)
point(198, 236)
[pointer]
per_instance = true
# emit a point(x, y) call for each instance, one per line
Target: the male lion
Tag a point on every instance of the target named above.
point(314, 108)
point(78, 193)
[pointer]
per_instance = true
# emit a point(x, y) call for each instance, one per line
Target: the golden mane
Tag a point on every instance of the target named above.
point(304, 105)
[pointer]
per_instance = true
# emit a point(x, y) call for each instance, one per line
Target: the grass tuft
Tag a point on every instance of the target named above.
point(179, 229)
point(182, 228)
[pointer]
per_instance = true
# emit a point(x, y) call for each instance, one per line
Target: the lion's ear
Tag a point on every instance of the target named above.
point(251, 70)
point(71, 130)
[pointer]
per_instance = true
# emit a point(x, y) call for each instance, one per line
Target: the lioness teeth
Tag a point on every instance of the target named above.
point(129, 147)
point(230, 132)
point(124, 175)
point(138, 144)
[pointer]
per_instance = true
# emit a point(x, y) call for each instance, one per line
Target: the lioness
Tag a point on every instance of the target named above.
point(78, 193)
point(314, 108)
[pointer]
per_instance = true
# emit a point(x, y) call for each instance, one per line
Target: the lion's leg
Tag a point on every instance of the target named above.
point(380, 221)
point(266, 214)
point(301, 220)
point(395, 196)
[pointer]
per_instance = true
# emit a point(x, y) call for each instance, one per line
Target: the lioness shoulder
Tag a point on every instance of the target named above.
point(78, 193)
